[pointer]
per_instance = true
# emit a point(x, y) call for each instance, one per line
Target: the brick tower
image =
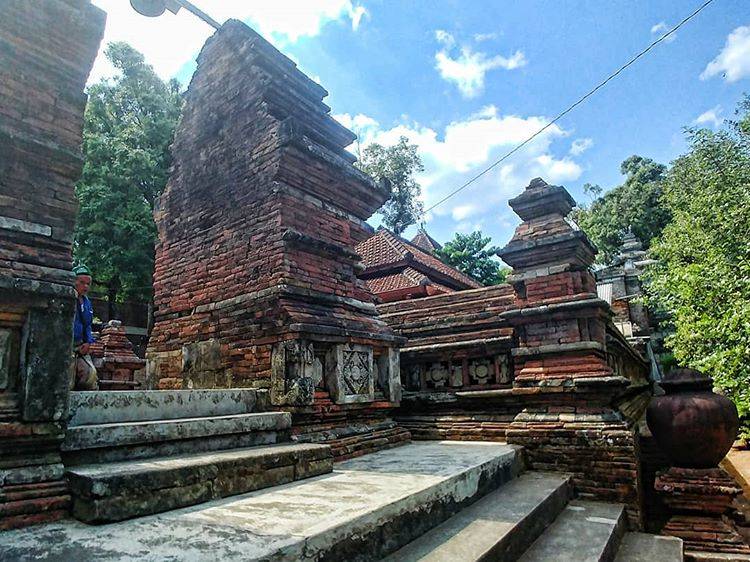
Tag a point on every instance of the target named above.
point(255, 282)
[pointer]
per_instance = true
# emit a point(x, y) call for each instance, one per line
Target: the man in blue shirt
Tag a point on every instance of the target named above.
point(85, 373)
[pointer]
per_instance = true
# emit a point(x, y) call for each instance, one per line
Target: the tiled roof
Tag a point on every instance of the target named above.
point(425, 241)
point(385, 248)
point(403, 279)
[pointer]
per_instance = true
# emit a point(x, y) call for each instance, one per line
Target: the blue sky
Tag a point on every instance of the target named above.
point(466, 80)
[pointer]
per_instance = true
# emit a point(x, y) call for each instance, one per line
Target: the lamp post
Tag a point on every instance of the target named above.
point(155, 8)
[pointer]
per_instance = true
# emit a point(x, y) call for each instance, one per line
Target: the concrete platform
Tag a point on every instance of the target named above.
point(584, 532)
point(116, 491)
point(642, 547)
point(98, 407)
point(500, 526)
point(143, 439)
point(364, 509)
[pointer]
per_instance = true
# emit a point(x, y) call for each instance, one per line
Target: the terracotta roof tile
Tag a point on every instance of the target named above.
point(385, 248)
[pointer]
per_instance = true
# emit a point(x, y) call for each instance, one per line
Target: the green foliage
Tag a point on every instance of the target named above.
point(702, 278)
point(397, 165)
point(129, 124)
point(470, 254)
point(636, 204)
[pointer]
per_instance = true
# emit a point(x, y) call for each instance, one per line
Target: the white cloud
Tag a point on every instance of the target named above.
point(660, 29)
point(479, 37)
point(173, 40)
point(445, 38)
point(457, 152)
point(733, 62)
point(467, 68)
point(463, 211)
point(711, 118)
point(579, 146)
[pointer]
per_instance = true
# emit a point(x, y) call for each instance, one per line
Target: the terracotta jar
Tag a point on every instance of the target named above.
point(691, 424)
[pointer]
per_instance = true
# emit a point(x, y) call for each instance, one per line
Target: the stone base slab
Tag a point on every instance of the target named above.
point(367, 508)
point(143, 405)
point(130, 440)
point(116, 491)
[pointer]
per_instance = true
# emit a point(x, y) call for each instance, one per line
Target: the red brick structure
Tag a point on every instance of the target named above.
point(702, 508)
point(395, 269)
point(556, 376)
point(116, 362)
point(256, 273)
point(46, 52)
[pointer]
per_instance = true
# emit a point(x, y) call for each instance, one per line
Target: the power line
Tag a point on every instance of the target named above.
point(573, 106)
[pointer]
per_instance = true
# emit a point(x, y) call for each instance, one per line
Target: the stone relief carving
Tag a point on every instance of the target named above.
point(295, 371)
point(439, 375)
point(351, 374)
point(481, 371)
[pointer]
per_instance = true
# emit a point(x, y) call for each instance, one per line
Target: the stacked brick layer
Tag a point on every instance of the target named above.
point(703, 512)
point(46, 52)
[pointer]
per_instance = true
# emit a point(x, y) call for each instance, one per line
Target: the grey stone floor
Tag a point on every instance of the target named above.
point(287, 522)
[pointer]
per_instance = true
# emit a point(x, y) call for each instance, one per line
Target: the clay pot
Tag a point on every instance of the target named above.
point(691, 424)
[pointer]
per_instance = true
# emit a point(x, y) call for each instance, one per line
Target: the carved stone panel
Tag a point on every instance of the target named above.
point(295, 371)
point(481, 371)
point(351, 376)
point(388, 369)
point(505, 373)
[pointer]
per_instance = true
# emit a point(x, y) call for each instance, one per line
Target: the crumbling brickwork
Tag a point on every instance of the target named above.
point(46, 52)
point(585, 387)
point(255, 282)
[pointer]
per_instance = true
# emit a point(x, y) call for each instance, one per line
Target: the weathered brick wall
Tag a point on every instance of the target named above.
point(42, 71)
point(585, 387)
point(255, 279)
point(46, 51)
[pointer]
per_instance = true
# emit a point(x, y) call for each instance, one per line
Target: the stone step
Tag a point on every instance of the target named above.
point(585, 531)
point(116, 406)
point(366, 508)
point(87, 444)
point(642, 547)
point(500, 526)
point(115, 491)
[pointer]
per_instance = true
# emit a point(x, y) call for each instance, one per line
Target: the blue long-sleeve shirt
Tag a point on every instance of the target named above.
point(82, 322)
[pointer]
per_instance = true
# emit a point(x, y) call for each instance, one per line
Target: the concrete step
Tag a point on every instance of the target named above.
point(118, 406)
point(366, 508)
point(500, 526)
point(585, 531)
point(86, 444)
point(116, 491)
point(642, 547)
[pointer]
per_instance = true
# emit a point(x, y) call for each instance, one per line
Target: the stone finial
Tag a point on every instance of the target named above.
point(546, 237)
point(540, 199)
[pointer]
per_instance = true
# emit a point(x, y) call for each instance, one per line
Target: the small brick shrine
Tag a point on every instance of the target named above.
point(46, 52)
point(256, 274)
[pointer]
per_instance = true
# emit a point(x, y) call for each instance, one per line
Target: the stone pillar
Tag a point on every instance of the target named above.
point(256, 274)
point(46, 52)
point(570, 364)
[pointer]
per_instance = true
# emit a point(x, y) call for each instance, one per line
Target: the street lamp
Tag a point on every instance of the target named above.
point(155, 8)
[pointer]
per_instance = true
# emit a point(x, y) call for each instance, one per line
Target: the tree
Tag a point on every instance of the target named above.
point(702, 276)
point(635, 204)
point(397, 165)
point(470, 255)
point(128, 127)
